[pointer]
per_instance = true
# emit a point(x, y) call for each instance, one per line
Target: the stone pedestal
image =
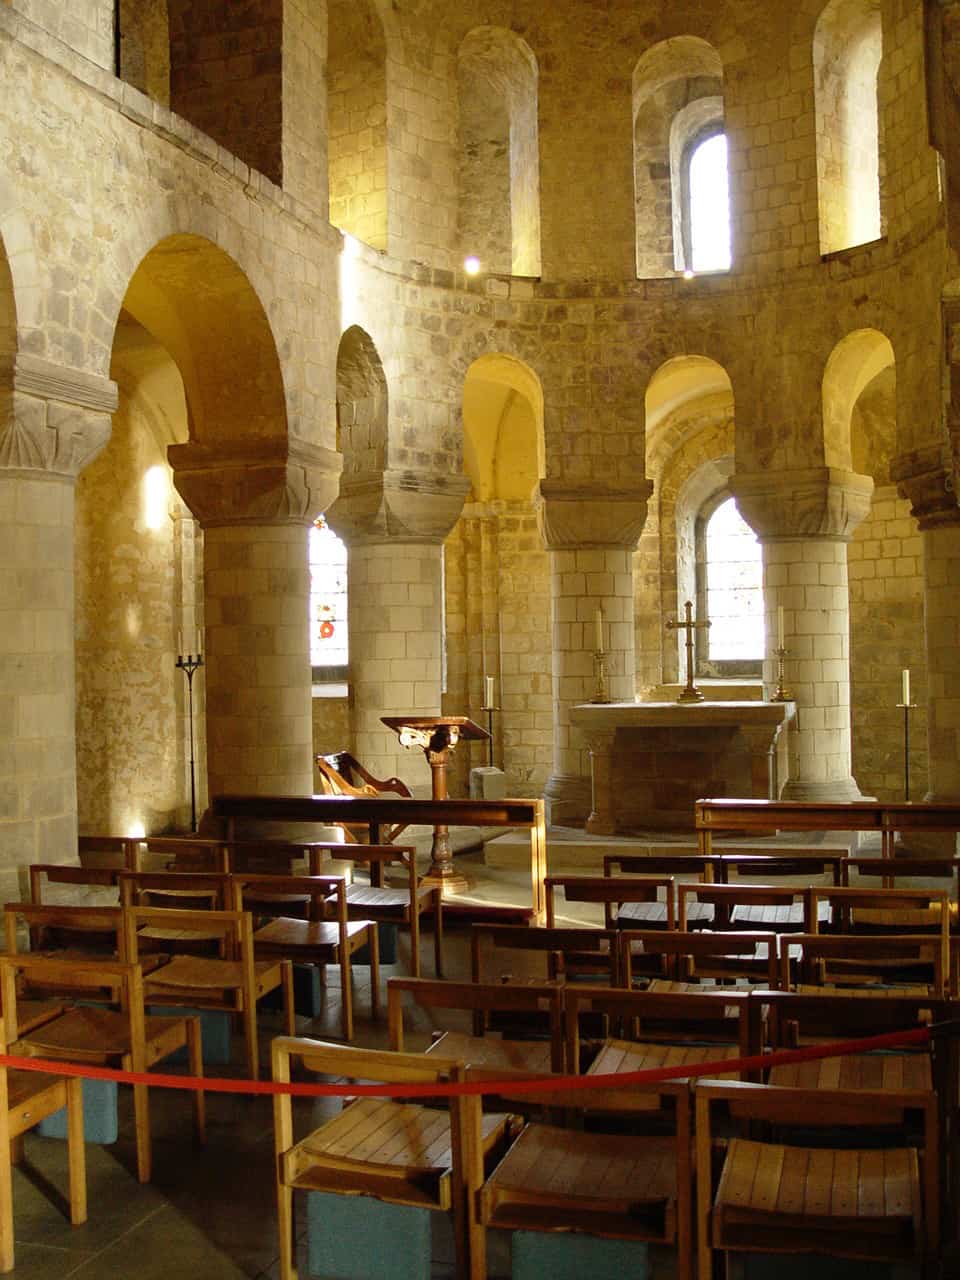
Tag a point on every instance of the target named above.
point(653, 760)
point(57, 420)
point(591, 535)
point(804, 520)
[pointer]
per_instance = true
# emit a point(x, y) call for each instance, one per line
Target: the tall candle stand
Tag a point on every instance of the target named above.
point(600, 662)
point(781, 694)
point(906, 708)
point(489, 710)
point(190, 665)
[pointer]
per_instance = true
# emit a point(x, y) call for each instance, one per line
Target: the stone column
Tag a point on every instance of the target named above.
point(930, 487)
point(56, 420)
point(255, 501)
point(394, 526)
point(591, 534)
point(804, 519)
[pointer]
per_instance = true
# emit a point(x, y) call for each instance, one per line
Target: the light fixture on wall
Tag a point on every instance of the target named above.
point(156, 497)
point(688, 274)
point(471, 265)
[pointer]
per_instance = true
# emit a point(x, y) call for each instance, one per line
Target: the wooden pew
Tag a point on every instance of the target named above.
point(380, 814)
point(888, 819)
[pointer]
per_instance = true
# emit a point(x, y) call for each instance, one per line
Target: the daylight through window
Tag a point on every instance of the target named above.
point(734, 587)
point(709, 205)
point(328, 597)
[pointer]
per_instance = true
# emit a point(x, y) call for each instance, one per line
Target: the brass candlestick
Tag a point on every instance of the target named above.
point(600, 662)
point(781, 694)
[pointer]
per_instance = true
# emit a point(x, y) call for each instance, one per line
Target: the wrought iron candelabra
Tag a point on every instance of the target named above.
point(190, 664)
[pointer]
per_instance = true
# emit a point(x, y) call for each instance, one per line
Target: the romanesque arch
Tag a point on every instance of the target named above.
point(357, 115)
point(847, 49)
point(499, 204)
point(677, 99)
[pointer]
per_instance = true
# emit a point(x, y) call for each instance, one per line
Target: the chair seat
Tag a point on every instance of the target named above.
point(98, 1035)
point(385, 898)
point(773, 917)
point(608, 1184)
point(799, 1200)
point(397, 1151)
point(289, 933)
point(653, 915)
point(197, 973)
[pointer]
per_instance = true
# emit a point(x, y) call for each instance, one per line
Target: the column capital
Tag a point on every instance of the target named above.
point(398, 506)
point(575, 517)
point(53, 419)
point(925, 477)
point(815, 502)
point(275, 481)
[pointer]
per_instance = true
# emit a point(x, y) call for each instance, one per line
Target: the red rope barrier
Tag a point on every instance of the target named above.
point(514, 1084)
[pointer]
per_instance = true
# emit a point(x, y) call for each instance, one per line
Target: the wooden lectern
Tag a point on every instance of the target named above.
point(437, 736)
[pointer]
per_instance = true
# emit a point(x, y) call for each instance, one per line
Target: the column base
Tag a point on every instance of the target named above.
point(568, 800)
point(833, 791)
point(448, 885)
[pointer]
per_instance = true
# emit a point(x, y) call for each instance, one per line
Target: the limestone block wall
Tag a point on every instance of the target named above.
point(37, 690)
point(131, 747)
point(85, 26)
point(304, 107)
point(886, 634)
point(225, 75)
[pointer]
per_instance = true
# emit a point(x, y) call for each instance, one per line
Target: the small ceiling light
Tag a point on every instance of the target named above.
point(471, 265)
point(688, 274)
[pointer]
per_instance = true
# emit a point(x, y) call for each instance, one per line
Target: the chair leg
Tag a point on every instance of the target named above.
point(373, 937)
point(289, 1003)
point(250, 1036)
point(76, 1152)
point(346, 993)
point(141, 1120)
point(438, 937)
point(195, 1055)
point(415, 938)
point(288, 1264)
point(6, 1196)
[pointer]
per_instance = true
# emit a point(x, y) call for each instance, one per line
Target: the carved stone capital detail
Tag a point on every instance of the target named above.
point(817, 502)
point(926, 478)
point(574, 517)
point(398, 506)
point(275, 481)
point(38, 435)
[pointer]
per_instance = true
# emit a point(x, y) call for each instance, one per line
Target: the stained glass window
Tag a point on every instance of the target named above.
point(328, 597)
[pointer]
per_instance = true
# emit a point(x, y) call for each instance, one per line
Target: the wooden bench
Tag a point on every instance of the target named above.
point(753, 817)
point(380, 814)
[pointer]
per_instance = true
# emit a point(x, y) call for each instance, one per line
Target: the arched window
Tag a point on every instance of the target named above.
point(329, 649)
point(731, 580)
point(706, 207)
point(847, 49)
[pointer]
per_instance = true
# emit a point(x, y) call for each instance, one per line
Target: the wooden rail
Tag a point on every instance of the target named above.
point(753, 816)
point(379, 814)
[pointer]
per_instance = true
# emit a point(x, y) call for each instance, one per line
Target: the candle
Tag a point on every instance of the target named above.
point(488, 691)
point(179, 643)
point(906, 686)
point(600, 630)
point(780, 643)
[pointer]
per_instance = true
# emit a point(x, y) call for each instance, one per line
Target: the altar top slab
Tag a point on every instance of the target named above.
point(668, 715)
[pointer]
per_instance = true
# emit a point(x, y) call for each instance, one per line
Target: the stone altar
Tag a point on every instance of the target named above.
point(651, 761)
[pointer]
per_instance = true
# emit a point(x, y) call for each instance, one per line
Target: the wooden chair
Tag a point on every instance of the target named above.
point(485, 1056)
point(316, 940)
point(884, 911)
point(653, 915)
point(117, 852)
point(26, 1098)
point(576, 953)
point(341, 774)
point(126, 1038)
point(181, 853)
point(387, 903)
point(397, 1152)
point(773, 865)
point(774, 1197)
point(618, 895)
point(768, 908)
point(68, 934)
point(44, 874)
point(700, 955)
point(897, 960)
point(891, 870)
point(93, 935)
point(234, 983)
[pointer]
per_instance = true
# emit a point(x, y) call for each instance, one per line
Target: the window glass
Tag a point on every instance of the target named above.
point(709, 205)
point(734, 587)
point(328, 597)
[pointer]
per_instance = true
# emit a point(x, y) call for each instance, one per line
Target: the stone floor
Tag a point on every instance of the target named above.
point(209, 1213)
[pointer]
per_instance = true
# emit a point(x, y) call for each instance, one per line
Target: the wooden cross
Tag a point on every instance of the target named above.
point(691, 693)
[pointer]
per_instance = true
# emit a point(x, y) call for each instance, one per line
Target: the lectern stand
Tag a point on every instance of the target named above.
point(437, 736)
